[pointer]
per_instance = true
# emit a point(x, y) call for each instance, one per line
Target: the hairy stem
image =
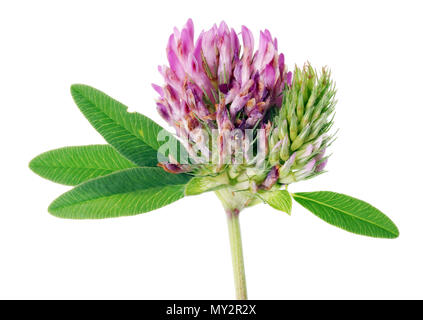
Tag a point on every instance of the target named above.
point(236, 250)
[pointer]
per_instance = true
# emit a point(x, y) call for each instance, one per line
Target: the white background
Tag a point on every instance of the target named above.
point(182, 251)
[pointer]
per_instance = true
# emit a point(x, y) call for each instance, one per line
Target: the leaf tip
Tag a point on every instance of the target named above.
point(77, 89)
point(51, 210)
point(74, 87)
point(395, 232)
point(32, 164)
point(55, 209)
point(35, 164)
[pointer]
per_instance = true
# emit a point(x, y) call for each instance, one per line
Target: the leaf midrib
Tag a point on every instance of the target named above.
point(117, 193)
point(346, 212)
point(87, 168)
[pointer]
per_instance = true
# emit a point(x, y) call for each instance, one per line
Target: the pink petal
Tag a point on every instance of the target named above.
point(175, 64)
point(158, 89)
point(269, 76)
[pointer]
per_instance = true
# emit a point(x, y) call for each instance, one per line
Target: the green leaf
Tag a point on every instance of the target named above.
point(348, 213)
point(73, 165)
point(123, 193)
point(132, 134)
point(278, 199)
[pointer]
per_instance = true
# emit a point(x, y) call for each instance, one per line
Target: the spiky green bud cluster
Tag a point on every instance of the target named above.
point(299, 139)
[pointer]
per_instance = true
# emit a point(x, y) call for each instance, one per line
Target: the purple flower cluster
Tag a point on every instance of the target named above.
point(215, 82)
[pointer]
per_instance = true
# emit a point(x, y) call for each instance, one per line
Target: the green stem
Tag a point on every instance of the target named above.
point(237, 257)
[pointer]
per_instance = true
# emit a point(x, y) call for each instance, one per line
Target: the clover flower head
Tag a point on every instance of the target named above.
point(220, 93)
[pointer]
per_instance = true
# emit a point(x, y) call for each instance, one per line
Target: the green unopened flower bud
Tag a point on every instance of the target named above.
point(291, 112)
point(284, 153)
point(298, 142)
point(274, 154)
point(316, 127)
point(274, 158)
point(306, 119)
point(306, 171)
point(283, 129)
point(304, 152)
point(293, 127)
point(274, 139)
point(303, 155)
point(312, 98)
point(286, 168)
point(300, 106)
point(319, 108)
